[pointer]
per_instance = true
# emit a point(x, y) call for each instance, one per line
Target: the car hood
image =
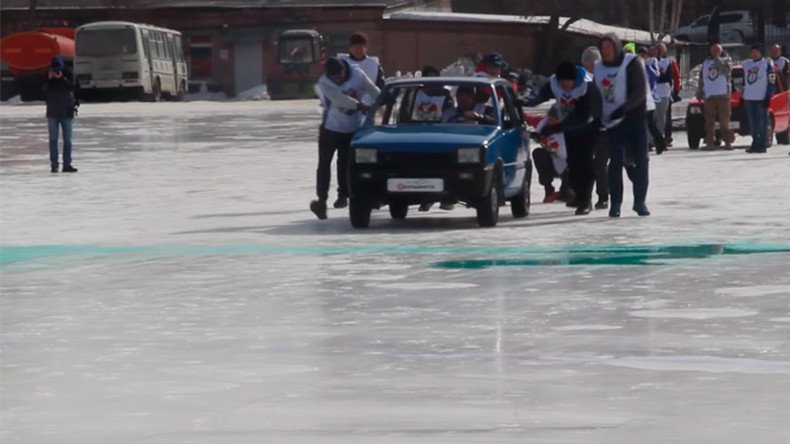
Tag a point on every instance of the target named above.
point(435, 137)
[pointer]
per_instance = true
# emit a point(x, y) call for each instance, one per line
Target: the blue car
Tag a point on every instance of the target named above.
point(441, 139)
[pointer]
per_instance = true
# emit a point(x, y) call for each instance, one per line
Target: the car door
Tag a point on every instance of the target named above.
point(512, 144)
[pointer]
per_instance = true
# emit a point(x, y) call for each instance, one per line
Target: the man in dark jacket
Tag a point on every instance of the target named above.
point(623, 84)
point(59, 93)
point(579, 102)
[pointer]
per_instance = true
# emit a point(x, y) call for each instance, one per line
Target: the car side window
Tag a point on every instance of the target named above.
point(702, 21)
point(510, 117)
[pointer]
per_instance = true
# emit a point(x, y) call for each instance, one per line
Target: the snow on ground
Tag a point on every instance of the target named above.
point(177, 290)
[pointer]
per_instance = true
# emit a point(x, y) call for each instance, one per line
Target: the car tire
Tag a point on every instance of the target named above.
point(398, 210)
point(488, 207)
point(519, 204)
point(359, 213)
point(783, 138)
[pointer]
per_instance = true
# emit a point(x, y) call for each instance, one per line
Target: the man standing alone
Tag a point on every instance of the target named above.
point(714, 88)
point(621, 80)
point(758, 87)
point(59, 93)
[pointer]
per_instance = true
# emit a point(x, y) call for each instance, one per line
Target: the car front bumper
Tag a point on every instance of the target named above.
point(373, 183)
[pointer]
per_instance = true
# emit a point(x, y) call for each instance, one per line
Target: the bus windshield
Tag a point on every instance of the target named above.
point(106, 42)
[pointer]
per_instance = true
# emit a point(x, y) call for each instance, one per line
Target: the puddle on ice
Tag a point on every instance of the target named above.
point(694, 313)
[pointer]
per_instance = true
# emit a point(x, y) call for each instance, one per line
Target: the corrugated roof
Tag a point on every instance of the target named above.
point(230, 4)
point(582, 26)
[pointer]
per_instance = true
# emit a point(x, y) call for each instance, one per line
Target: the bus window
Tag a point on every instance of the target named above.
point(106, 42)
point(160, 45)
point(146, 45)
point(170, 52)
point(179, 49)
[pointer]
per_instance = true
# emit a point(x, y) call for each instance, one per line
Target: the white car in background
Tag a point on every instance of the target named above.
point(734, 27)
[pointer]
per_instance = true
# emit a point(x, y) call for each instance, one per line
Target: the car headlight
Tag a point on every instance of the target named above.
point(469, 155)
point(365, 155)
point(695, 110)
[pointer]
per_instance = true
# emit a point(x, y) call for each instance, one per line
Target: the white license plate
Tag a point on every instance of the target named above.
point(415, 185)
point(733, 125)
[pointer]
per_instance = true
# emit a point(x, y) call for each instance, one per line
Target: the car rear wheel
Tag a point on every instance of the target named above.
point(695, 133)
point(783, 138)
point(359, 213)
point(488, 207)
point(519, 205)
point(398, 210)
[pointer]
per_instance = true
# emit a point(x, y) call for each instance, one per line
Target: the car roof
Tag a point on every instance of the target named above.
point(482, 81)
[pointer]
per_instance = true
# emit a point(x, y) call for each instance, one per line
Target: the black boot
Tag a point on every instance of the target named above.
point(584, 209)
point(602, 204)
point(54, 168)
point(319, 208)
point(69, 169)
point(341, 202)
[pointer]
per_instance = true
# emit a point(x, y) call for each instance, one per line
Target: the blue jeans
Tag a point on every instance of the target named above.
point(757, 113)
point(55, 124)
point(628, 141)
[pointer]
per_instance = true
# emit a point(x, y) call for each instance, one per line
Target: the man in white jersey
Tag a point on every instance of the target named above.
point(758, 87)
point(341, 89)
point(664, 87)
point(621, 79)
point(714, 88)
point(358, 56)
point(591, 56)
point(579, 103)
point(781, 67)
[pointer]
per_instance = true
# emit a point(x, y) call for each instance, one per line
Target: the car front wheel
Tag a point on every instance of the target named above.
point(359, 213)
point(488, 207)
point(398, 210)
point(519, 205)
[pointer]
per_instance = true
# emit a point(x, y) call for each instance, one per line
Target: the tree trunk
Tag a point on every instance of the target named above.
point(651, 22)
point(662, 27)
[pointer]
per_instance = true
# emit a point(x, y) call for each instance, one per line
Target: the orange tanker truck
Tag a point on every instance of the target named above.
point(26, 56)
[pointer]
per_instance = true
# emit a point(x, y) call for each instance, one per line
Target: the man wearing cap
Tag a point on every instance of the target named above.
point(620, 77)
point(652, 72)
point(341, 89)
point(758, 87)
point(714, 88)
point(59, 94)
point(781, 67)
point(663, 89)
point(591, 56)
point(358, 56)
point(491, 66)
point(579, 108)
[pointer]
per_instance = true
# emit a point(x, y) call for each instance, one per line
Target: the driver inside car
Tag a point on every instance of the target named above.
point(465, 112)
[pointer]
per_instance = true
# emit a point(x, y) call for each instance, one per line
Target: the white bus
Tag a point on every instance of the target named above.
point(130, 60)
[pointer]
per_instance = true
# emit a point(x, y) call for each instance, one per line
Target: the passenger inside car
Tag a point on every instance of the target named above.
point(431, 101)
point(464, 111)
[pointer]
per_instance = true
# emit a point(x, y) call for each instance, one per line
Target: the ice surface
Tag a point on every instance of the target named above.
point(177, 290)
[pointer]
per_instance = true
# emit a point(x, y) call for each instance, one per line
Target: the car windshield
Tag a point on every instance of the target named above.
point(296, 50)
point(436, 102)
point(101, 42)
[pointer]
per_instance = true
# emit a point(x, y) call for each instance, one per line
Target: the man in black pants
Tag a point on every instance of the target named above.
point(580, 104)
point(341, 88)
